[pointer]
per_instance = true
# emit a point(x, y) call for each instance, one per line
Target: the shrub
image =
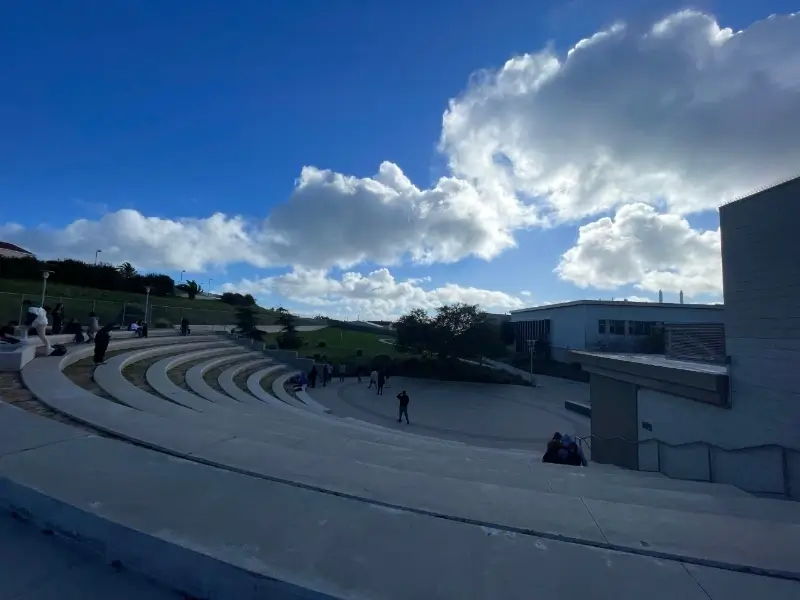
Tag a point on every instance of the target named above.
point(272, 346)
point(359, 352)
point(320, 344)
point(162, 324)
point(317, 357)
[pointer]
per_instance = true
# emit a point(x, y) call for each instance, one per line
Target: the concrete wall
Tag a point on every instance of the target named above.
point(677, 420)
point(761, 276)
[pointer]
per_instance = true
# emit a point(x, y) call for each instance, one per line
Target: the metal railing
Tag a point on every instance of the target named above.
point(703, 342)
point(762, 469)
point(109, 311)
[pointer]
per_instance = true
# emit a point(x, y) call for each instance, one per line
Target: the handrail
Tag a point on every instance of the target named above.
point(684, 444)
point(788, 489)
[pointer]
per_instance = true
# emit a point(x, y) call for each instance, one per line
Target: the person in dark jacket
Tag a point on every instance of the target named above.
point(101, 340)
point(185, 326)
point(381, 382)
point(58, 318)
point(403, 408)
point(312, 376)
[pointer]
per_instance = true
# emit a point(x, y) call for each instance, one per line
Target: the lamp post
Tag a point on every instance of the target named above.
point(45, 275)
point(531, 349)
point(208, 291)
point(147, 305)
point(96, 252)
point(182, 272)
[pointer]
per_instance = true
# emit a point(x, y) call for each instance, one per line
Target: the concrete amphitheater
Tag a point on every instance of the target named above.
point(188, 466)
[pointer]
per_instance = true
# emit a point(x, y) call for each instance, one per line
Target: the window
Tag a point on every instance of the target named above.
point(601, 326)
point(616, 327)
point(641, 327)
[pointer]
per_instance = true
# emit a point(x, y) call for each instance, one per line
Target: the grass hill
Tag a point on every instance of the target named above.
point(112, 306)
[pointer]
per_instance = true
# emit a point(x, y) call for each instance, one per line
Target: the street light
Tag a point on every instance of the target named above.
point(532, 349)
point(96, 252)
point(147, 304)
point(182, 272)
point(45, 275)
point(208, 291)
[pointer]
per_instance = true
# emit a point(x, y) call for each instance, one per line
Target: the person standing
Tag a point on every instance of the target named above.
point(93, 328)
point(403, 408)
point(58, 318)
point(381, 382)
point(342, 372)
point(101, 340)
point(312, 376)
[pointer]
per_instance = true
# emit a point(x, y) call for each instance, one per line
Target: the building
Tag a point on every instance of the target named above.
point(735, 423)
point(619, 326)
point(9, 250)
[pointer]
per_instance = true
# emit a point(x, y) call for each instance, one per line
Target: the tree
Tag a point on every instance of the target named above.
point(247, 323)
point(288, 338)
point(415, 332)
point(191, 287)
point(235, 299)
point(127, 271)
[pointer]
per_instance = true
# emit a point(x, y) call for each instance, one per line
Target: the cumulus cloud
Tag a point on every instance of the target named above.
point(147, 242)
point(653, 251)
point(680, 115)
point(683, 113)
point(376, 295)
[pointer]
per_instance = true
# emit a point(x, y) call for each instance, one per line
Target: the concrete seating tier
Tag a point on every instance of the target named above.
point(216, 534)
point(468, 461)
point(328, 468)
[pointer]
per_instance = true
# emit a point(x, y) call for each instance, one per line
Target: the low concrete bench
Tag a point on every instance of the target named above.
point(578, 407)
point(226, 382)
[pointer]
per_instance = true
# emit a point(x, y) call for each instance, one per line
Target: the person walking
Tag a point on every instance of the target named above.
point(403, 408)
point(342, 372)
point(36, 317)
point(381, 382)
point(329, 372)
point(373, 379)
point(185, 326)
point(358, 373)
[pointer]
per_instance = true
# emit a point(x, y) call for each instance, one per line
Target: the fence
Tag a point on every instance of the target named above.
point(703, 342)
point(766, 469)
point(123, 313)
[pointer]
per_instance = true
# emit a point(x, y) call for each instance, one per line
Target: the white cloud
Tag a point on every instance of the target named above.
point(376, 295)
point(680, 115)
point(684, 113)
point(651, 250)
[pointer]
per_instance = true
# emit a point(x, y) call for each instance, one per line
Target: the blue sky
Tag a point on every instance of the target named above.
point(180, 109)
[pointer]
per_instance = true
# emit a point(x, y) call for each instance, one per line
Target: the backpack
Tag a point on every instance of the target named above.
point(58, 350)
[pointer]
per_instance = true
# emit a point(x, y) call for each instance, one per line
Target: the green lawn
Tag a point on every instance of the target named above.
point(341, 344)
point(109, 305)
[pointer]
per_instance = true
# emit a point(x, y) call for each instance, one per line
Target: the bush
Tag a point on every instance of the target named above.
point(359, 352)
point(320, 344)
point(272, 346)
point(162, 324)
point(317, 357)
point(434, 368)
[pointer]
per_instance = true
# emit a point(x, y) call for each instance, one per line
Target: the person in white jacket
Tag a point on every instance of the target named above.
point(36, 317)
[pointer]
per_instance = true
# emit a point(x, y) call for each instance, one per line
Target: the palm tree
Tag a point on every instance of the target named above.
point(191, 287)
point(126, 270)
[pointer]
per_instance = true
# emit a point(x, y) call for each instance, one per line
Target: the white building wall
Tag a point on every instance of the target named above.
point(761, 275)
point(677, 420)
point(656, 312)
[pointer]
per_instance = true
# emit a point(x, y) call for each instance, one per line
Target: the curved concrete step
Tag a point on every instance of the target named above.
point(226, 382)
point(195, 378)
point(93, 489)
point(279, 391)
point(157, 375)
point(469, 463)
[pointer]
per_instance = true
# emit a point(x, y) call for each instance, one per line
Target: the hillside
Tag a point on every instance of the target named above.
point(113, 305)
